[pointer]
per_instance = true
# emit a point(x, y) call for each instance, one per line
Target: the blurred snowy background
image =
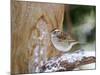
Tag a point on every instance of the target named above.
point(83, 20)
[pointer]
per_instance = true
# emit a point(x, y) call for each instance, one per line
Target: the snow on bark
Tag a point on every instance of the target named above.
point(41, 44)
point(69, 61)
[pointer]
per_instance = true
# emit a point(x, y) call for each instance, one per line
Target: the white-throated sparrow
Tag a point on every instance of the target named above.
point(63, 41)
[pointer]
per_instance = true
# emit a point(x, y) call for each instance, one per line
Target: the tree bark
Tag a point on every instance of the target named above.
point(26, 17)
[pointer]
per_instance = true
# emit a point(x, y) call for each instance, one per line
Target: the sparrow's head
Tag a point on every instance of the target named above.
point(55, 32)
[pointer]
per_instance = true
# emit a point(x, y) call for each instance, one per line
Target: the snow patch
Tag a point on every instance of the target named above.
point(54, 63)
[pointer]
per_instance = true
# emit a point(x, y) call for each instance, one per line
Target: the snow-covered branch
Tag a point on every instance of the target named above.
point(70, 61)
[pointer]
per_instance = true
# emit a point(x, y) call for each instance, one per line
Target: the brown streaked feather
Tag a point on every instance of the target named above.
point(53, 29)
point(62, 36)
point(65, 36)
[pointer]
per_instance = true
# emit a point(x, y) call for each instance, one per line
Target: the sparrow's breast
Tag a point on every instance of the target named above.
point(60, 45)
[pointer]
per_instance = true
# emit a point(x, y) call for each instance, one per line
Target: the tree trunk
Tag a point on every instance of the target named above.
point(31, 25)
